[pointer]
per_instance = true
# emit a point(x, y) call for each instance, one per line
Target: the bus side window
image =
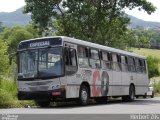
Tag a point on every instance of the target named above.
point(70, 61)
point(94, 58)
point(138, 65)
point(116, 62)
point(106, 60)
point(124, 62)
point(145, 70)
point(131, 64)
point(83, 57)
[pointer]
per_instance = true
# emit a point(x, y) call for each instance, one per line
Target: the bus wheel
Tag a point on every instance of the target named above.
point(43, 103)
point(131, 96)
point(83, 95)
point(145, 95)
point(131, 93)
point(152, 96)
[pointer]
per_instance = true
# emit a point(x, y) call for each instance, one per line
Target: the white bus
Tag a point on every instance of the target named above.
point(61, 68)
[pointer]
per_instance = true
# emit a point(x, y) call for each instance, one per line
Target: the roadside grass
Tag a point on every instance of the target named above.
point(8, 95)
point(147, 52)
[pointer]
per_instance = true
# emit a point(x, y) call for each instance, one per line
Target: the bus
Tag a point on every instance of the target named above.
point(61, 68)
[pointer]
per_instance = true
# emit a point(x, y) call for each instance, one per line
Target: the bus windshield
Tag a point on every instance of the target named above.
point(40, 63)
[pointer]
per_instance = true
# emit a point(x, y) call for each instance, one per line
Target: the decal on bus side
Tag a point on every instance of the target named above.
point(100, 83)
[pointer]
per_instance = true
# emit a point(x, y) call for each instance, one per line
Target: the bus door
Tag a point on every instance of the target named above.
point(117, 77)
point(71, 68)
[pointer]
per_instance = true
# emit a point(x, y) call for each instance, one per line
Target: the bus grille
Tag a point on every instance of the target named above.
point(39, 88)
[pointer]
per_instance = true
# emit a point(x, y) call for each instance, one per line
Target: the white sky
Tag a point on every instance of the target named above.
point(155, 17)
point(12, 5)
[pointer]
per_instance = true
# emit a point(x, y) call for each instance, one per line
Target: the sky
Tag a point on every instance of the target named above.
point(12, 5)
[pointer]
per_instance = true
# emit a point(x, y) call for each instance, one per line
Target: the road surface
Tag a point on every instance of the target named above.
point(142, 106)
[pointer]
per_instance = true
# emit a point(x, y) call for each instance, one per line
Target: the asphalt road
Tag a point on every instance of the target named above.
point(139, 106)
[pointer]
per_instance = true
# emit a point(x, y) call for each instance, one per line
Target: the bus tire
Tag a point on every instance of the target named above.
point(131, 96)
point(43, 103)
point(152, 96)
point(83, 95)
point(145, 95)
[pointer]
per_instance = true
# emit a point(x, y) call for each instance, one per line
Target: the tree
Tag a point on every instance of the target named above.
point(3, 58)
point(13, 36)
point(101, 21)
point(143, 37)
point(1, 27)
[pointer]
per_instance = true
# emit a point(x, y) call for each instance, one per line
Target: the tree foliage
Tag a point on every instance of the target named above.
point(101, 21)
point(3, 58)
point(12, 36)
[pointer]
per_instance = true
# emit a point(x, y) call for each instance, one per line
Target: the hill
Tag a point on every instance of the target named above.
point(18, 18)
point(15, 18)
point(135, 22)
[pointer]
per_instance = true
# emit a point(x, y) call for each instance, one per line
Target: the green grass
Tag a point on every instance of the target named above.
point(8, 95)
point(147, 52)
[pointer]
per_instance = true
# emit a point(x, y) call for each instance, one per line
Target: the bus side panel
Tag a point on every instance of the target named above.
point(142, 84)
point(117, 83)
point(110, 73)
point(125, 83)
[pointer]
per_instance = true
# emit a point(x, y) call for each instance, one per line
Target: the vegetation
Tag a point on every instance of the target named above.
point(9, 39)
point(99, 21)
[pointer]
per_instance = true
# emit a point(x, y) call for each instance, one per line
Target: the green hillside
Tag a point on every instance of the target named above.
point(147, 52)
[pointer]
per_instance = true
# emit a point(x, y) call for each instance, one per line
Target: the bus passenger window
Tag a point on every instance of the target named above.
point(116, 62)
point(94, 58)
point(106, 61)
point(131, 64)
point(83, 57)
point(124, 62)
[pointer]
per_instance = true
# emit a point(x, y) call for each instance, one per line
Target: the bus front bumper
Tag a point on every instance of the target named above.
point(34, 95)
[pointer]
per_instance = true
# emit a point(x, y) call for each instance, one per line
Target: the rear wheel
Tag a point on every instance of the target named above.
point(131, 95)
point(145, 95)
point(83, 95)
point(152, 96)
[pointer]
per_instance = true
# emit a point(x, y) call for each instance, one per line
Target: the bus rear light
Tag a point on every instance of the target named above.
point(56, 93)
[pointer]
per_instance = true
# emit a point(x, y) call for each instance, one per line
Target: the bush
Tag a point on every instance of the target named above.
point(8, 95)
point(157, 87)
point(153, 68)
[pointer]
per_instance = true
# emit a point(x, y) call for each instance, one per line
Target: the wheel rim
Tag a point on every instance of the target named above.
point(84, 95)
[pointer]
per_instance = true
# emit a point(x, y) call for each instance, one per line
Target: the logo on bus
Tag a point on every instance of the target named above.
point(100, 83)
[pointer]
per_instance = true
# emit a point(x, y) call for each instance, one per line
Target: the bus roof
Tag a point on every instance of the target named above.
point(89, 44)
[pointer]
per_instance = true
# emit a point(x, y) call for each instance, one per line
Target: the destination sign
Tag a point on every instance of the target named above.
point(41, 42)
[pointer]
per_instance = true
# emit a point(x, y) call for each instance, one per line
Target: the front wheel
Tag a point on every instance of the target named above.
point(83, 95)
